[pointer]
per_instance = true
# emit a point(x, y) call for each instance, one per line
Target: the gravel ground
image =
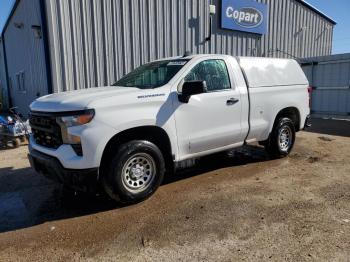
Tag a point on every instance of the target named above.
point(242, 208)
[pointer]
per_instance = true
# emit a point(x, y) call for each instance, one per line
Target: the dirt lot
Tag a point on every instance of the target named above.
point(245, 207)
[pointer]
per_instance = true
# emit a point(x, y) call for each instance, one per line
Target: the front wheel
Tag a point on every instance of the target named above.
point(135, 172)
point(282, 138)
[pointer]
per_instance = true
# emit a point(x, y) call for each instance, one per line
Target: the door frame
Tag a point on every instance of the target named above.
point(179, 80)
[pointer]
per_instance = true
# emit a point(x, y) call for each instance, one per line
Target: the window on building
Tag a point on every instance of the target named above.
point(23, 87)
point(10, 83)
point(213, 72)
point(20, 81)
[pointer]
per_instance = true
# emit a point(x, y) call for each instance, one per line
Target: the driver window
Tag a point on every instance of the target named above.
point(214, 72)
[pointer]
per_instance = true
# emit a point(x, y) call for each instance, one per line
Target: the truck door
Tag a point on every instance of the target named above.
point(212, 120)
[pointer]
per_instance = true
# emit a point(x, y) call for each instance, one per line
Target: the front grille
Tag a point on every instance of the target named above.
point(45, 130)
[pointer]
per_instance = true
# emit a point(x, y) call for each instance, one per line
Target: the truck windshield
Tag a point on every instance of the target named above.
point(152, 75)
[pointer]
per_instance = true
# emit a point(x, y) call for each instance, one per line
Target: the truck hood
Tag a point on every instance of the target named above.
point(80, 99)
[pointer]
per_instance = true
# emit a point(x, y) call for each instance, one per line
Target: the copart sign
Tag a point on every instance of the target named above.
point(244, 15)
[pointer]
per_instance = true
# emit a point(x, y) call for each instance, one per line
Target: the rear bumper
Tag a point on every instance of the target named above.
point(79, 179)
point(307, 122)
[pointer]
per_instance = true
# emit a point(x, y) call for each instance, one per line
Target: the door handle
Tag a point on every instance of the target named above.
point(232, 101)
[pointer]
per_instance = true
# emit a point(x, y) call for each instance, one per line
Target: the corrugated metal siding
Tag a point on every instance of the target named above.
point(25, 53)
point(94, 43)
point(330, 78)
point(295, 30)
point(3, 82)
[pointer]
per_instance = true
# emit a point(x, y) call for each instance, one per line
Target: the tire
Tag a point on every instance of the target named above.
point(135, 172)
point(67, 193)
point(16, 142)
point(282, 138)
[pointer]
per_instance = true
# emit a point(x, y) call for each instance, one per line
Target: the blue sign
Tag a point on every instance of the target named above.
point(244, 15)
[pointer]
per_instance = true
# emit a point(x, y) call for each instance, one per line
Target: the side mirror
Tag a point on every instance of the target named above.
point(191, 88)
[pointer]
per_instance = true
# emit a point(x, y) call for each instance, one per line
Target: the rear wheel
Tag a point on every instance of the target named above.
point(135, 172)
point(282, 138)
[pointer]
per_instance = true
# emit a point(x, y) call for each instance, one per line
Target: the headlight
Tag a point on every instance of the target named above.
point(77, 119)
point(80, 118)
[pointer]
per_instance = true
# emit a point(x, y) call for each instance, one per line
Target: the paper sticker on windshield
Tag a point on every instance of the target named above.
point(177, 63)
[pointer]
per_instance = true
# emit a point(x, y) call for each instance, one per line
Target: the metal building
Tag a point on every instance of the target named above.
point(55, 46)
point(329, 77)
point(26, 67)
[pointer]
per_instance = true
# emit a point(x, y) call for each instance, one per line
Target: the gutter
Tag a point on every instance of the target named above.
point(310, 6)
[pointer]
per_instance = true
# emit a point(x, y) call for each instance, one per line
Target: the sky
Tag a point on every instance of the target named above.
point(336, 9)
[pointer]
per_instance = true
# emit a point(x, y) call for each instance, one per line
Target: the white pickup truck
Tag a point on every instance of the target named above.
point(164, 115)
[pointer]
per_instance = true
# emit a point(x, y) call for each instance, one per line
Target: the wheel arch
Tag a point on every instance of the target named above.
point(291, 112)
point(154, 134)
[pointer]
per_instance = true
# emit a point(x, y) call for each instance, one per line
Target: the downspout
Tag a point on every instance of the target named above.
point(212, 12)
point(45, 36)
